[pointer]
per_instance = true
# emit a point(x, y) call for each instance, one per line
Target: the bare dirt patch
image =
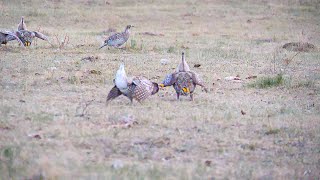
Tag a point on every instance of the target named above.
point(299, 47)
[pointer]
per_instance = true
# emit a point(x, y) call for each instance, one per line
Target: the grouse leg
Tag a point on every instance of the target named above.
point(191, 96)
point(178, 96)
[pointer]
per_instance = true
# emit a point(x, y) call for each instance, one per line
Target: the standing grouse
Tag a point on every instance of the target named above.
point(23, 35)
point(183, 80)
point(118, 39)
point(137, 87)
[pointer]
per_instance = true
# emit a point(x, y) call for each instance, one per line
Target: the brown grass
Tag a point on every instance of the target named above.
point(55, 123)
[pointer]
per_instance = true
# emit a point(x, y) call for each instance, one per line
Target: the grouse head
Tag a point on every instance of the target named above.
point(128, 27)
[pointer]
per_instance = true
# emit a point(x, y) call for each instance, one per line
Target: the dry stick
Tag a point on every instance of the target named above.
point(274, 62)
point(290, 60)
point(58, 42)
point(86, 105)
point(66, 40)
point(63, 43)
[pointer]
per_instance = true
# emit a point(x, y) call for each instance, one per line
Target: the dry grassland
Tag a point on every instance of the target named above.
point(54, 122)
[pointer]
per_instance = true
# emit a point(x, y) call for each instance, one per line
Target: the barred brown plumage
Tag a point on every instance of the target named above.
point(6, 36)
point(23, 35)
point(27, 36)
point(118, 39)
point(183, 80)
point(138, 87)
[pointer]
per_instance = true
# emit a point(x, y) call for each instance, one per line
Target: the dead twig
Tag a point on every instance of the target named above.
point(81, 109)
point(287, 61)
point(62, 44)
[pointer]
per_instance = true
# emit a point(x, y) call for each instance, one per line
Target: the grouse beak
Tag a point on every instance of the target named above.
point(103, 46)
point(185, 90)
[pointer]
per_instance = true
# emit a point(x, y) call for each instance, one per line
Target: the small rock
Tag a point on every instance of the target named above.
point(164, 61)
point(90, 58)
point(36, 136)
point(53, 68)
point(93, 71)
point(232, 78)
point(2, 127)
point(197, 65)
point(251, 77)
point(306, 172)
point(243, 113)
point(208, 163)
point(195, 34)
point(39, 176)
point(117, 164)
point(184, 47)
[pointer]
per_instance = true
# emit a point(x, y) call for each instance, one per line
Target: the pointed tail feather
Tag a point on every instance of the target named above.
point(22, 25)
point(155, 88)
point(103, 45)
point(114, 92)
point(183, 66)
point(198, 81)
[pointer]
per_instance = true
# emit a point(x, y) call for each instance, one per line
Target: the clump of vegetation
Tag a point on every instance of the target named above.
point(9, 155)
point(272, 131)
point(156, 48)
point(73, 80)
point(133, 44)
point(267, 82)
point(171, 49)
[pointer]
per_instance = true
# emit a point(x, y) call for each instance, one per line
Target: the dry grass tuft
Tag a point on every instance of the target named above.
point(299, 47)
point(61, 44)
point(267, 82)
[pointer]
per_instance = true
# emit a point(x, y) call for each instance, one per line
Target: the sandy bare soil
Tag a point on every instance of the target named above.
point(55, 124)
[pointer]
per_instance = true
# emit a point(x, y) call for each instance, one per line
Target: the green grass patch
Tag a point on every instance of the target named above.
point(267, 82)
point(8, 165)
point(171, 50)
point(73, 80)
point(133, 44)
point(272, 131)
point(42, 117)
